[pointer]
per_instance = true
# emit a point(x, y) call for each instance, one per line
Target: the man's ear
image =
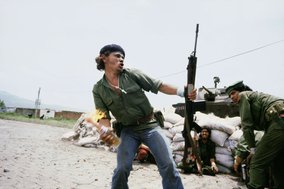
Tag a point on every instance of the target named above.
point(103, 57)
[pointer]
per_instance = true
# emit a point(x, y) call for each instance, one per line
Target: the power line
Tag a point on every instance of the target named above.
point(221, 60)
point(240, 54)
point(176, 73)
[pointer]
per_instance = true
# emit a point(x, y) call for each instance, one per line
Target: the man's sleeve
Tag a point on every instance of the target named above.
point(247, 122)
point(100, 105)
point(242, 148)
point(146, 82)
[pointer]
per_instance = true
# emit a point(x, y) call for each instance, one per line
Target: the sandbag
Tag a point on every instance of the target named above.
point(223, 169)
point(231, 144)
point(70, 136)
point(213, 122)
point(167, 125)
point(178, 137)
point(236, 135)
point(223, 150)
point(225, 160)
point(178, 158)
point(88, 140)
point(179, 152)
point(177, 129)
point(180, 122)
point(233, 121)
point(168, 133)
point(219, 137)
point(177, 146)
point(173, 118)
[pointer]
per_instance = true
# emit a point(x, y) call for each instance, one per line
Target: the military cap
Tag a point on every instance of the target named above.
point(112, 48)
point(234, 86)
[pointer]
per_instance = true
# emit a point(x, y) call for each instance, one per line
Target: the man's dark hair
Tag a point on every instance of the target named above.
point(100, 62)
point(106, 50)
point(209, 131)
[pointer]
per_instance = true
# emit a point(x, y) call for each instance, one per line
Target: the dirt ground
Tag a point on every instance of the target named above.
point(34, 156)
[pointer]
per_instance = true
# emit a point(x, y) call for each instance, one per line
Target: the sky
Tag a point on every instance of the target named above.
point(52, 45)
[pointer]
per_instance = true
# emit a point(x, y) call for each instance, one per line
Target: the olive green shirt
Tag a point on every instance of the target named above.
point(132, 104)
point(252, 107)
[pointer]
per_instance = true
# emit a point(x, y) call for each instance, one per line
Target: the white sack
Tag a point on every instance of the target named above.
point(180, 122)
point(223, 150)
point(232, 144)
point(225, 160)
point(178, 137)
point(178, 158)
point(168, 133)
point(236, 135)
point(219, 137)
point(88, 140)
point(167, 125)
point(177, 129)
point(214, 122)
point(179, 152)
point(173, 118)
point(70, 136)
point(177, 146)
point(233, 121)
point(223, 169)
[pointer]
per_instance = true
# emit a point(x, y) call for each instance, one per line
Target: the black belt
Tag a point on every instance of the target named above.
point(138, 124)
point(149, 119)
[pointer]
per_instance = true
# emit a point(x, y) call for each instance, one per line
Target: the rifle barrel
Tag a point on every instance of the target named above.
point(196, 35)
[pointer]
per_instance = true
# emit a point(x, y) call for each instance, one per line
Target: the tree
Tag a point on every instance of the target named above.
point(2, 104)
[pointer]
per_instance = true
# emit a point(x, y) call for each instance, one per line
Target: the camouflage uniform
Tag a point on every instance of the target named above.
point(259, 111)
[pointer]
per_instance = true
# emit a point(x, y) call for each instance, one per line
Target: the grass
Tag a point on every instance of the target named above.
point(58, 122)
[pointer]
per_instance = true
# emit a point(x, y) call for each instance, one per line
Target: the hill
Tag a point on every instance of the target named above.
point(11, 100)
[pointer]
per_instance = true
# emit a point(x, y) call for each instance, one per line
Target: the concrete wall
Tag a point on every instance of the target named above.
point(26, 111)
point(68, 115)
point(49, 113)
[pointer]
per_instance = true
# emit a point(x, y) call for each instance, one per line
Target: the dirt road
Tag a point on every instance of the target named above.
point(34, 156)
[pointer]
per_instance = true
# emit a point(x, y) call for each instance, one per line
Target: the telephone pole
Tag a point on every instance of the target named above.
point(37, 103)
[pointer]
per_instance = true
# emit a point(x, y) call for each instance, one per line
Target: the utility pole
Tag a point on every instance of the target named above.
point(37, 103)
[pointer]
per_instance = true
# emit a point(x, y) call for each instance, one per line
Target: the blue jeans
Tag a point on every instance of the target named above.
point(159, 146)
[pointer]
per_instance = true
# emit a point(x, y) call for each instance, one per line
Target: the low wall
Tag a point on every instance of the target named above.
point(68, 115)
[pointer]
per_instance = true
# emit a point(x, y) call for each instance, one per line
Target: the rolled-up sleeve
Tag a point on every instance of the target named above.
point(99, 103)
point(146, 82)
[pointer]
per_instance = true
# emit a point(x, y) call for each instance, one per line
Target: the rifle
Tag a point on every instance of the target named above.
point(189, 123)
